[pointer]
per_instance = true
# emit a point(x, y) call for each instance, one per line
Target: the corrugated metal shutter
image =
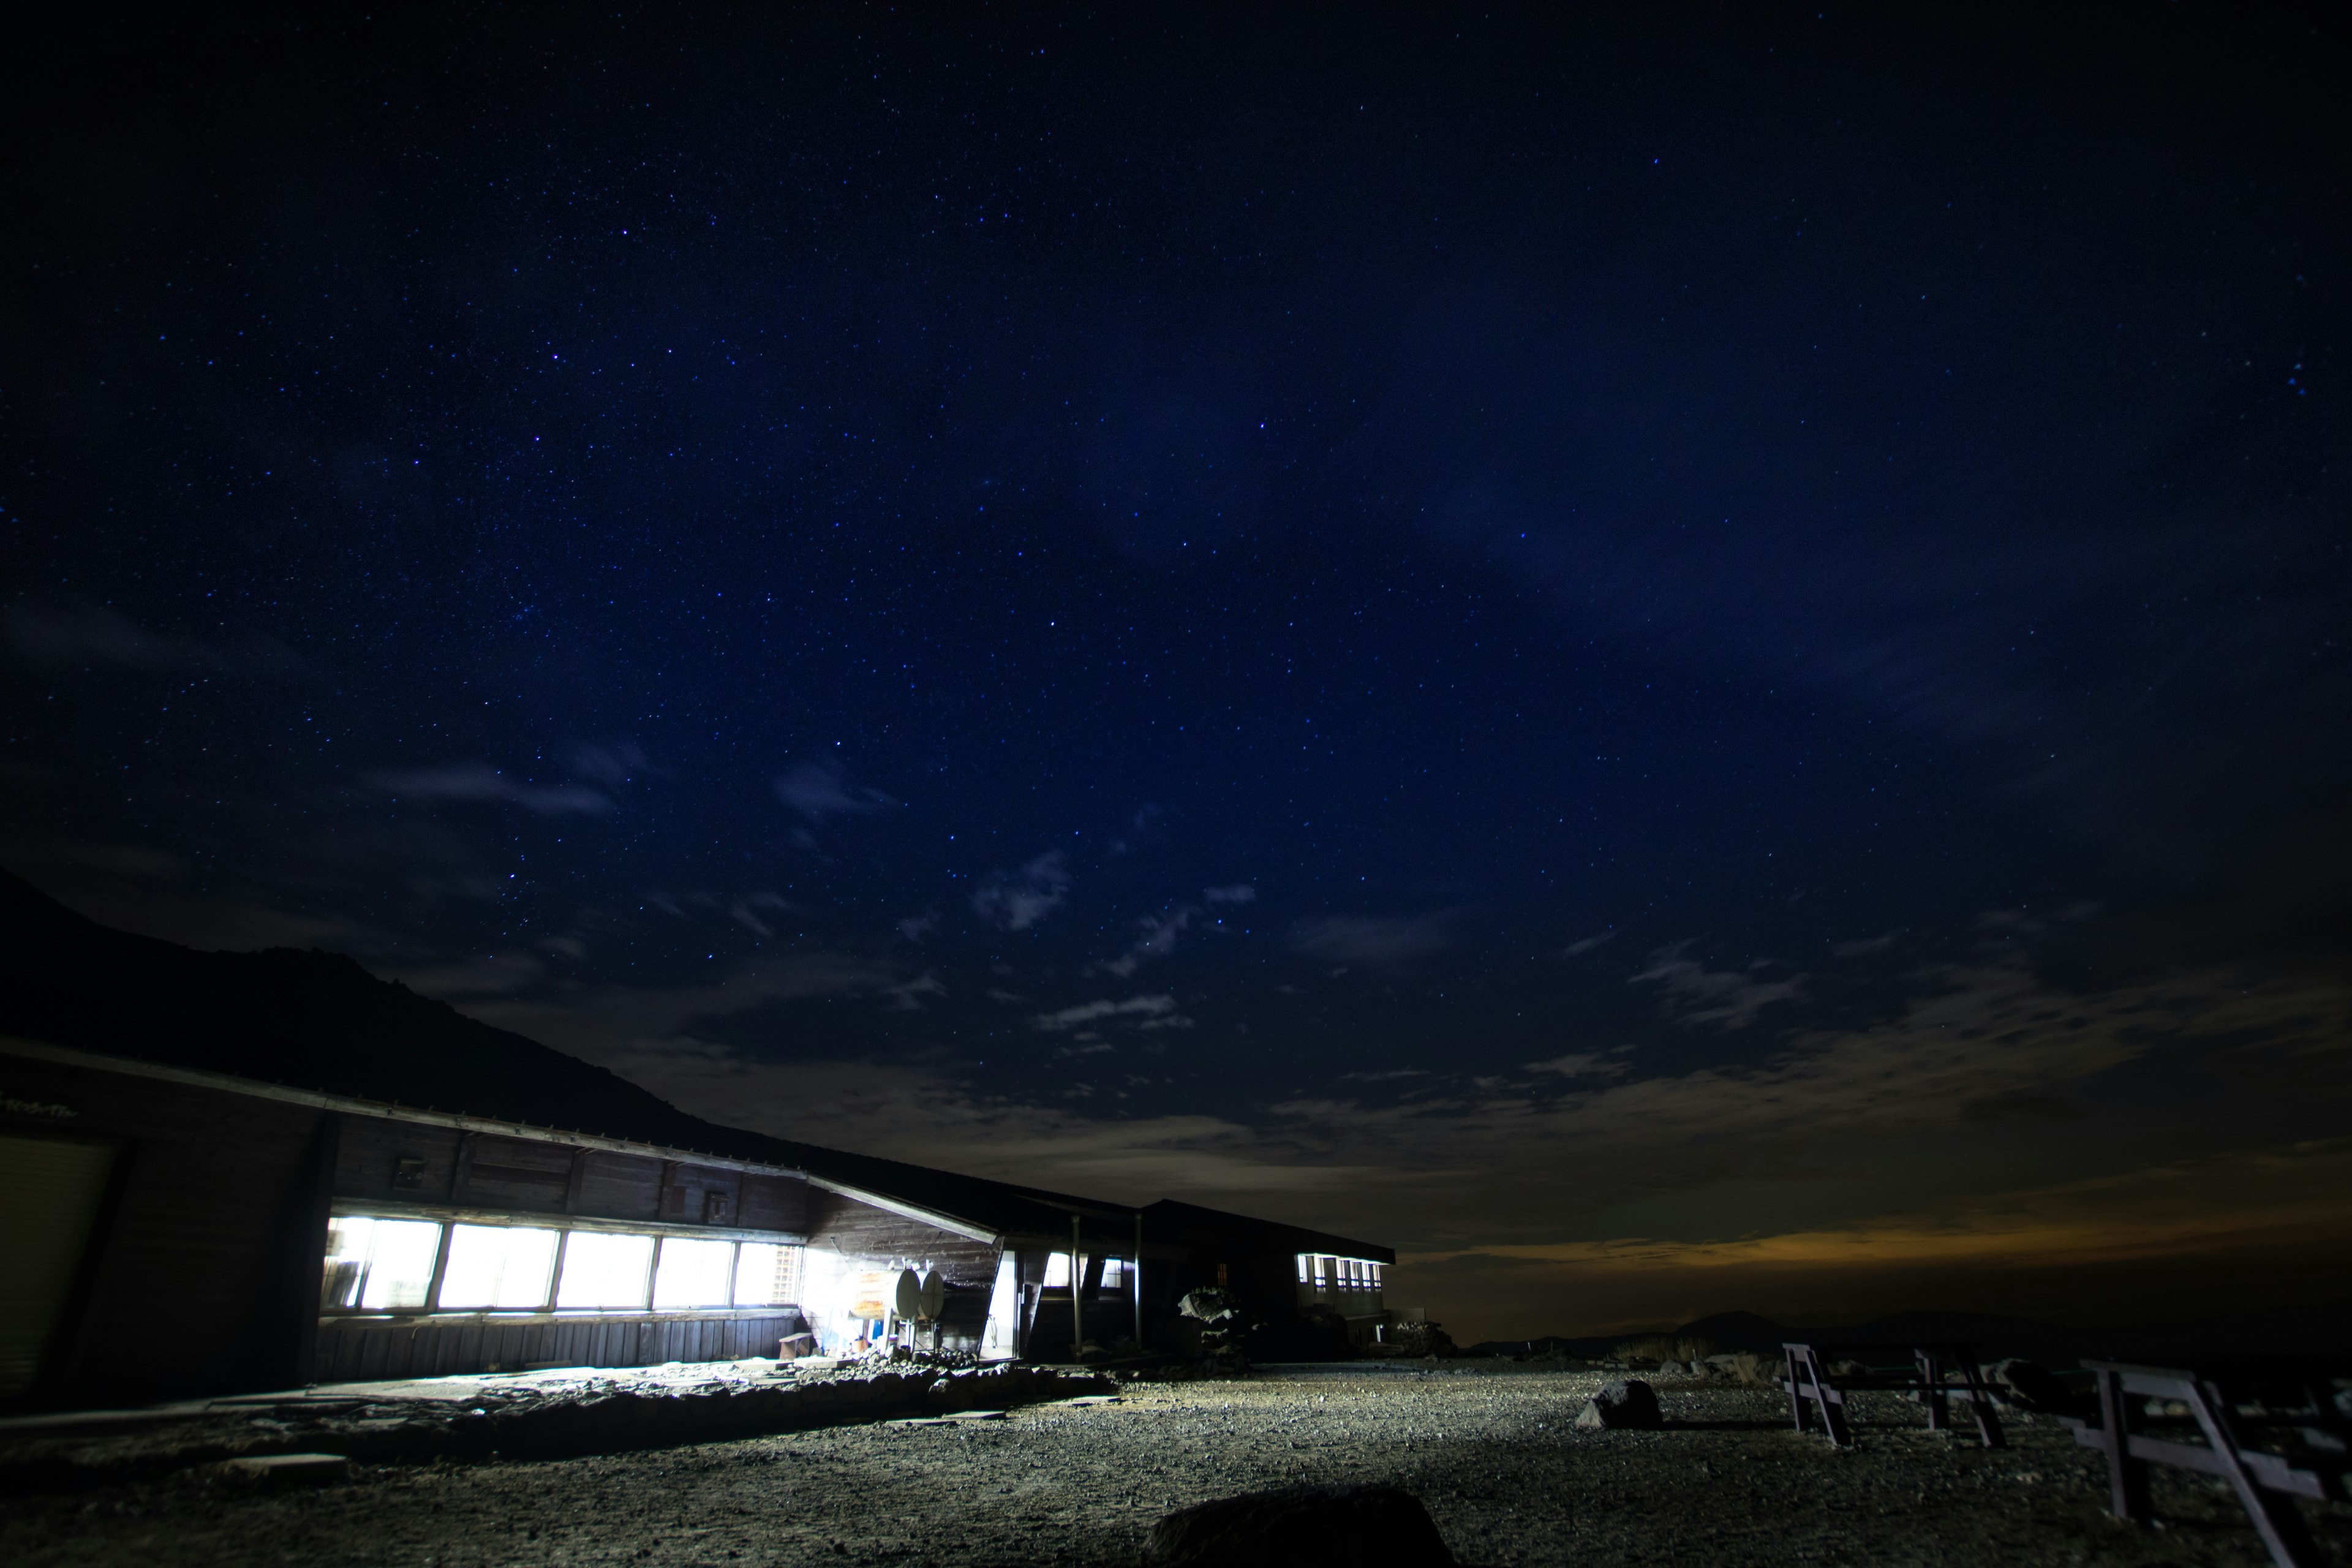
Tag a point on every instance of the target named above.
point(49, 1192)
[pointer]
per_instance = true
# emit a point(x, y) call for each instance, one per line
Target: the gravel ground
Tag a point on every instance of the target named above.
point(1489, 1447)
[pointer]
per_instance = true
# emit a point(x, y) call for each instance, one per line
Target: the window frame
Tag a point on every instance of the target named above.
point(1335, 1274)
point(447, 1218)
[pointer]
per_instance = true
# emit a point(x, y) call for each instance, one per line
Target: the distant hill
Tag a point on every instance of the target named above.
point(308, 1019)
point(2276, 1332)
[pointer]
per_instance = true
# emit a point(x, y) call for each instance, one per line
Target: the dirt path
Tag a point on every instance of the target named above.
point(1489, 1447)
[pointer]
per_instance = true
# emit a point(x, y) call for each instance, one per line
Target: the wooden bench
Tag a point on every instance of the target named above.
point(1935, 1375)
point(2232, 1404)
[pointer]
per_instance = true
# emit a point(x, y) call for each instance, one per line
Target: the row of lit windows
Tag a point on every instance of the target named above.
point(1327, 1273)
point(402, 1266)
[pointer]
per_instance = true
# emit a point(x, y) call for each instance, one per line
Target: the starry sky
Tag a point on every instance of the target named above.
point(1675, 665)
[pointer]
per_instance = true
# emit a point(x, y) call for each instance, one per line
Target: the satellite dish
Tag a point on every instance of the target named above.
point(935, 1296)
point(910, 1294)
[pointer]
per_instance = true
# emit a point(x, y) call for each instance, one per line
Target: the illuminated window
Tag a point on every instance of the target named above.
point(768, 1275)
point(493, 1265)
point(1111, 1274)
point(1057, 1270)
point(380, 1264)
point(692, 1274)
point(1304, 1277)
point(605, 1270)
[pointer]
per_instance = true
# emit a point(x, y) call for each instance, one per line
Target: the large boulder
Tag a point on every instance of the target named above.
point(1365, 1526)
point(1619, 1405)
point(1209, 1304)
point(2028, 1386)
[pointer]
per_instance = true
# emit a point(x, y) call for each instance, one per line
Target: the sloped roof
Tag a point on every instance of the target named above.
point(1172, 1220)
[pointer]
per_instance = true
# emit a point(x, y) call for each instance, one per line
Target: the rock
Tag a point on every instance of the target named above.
point(2028, 1386)
point(1365, 1526)
point(1420, 1339)
point(1209, 1304)
point(1622, 1405)
point(287, 1469)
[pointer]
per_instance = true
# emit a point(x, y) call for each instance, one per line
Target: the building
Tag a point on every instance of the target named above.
point(218, 1176)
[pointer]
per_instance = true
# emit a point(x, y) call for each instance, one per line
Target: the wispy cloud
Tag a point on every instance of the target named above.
point(1694, 993)
point(1580, 1064)
point(822, 789)
point(597, 1021)
point(1147, 1012)
point(907, 996)
point(1370, 939)
point(482, 782)
point(58, 637)
point(612, 766)
point(1582, 945)
point(1158, 941)
point(1231, 893)
point(745, 911)
point(1862, 947)
point(1015, 900)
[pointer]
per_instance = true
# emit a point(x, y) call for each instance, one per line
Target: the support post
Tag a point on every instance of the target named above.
point(1931, 1387)
point(1077, 1293)
point(2127, 1476)
point(2280, 1528)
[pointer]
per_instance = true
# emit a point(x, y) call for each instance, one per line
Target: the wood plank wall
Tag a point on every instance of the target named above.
point(203, 1268)
point(383, 1160)
point(203, 1274)
point(365, 1350)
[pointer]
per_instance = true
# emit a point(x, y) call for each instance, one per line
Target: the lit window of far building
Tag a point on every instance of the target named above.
point(1111, 1275)
point(495, 1266)
point(605, 1271)
point(692, 1274)
point(379, 1265)
point(1057, 1270)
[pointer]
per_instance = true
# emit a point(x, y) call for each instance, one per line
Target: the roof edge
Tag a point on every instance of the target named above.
point(229, 1083)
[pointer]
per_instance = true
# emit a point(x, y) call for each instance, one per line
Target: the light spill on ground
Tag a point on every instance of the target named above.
point(1489, 1447)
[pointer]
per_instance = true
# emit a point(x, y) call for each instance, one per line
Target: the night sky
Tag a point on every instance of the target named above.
point(1677, 667)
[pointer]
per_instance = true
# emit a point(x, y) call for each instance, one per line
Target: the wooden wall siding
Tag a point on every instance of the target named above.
point(371, 1350)
point(208, 1239)
point(775, 1203)
point(371, 1149)
point(526, 1175)
point(514, 1173)
point(697, 1194)
point(876, 1235)
point(619, 1186)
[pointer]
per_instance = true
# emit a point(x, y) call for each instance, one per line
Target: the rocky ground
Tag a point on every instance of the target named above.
point(1489, 1446)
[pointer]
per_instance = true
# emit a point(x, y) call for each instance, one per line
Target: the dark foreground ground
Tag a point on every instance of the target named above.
point(1489, 1447)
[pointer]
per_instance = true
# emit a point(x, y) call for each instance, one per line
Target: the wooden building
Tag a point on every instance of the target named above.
point(216, 1176)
